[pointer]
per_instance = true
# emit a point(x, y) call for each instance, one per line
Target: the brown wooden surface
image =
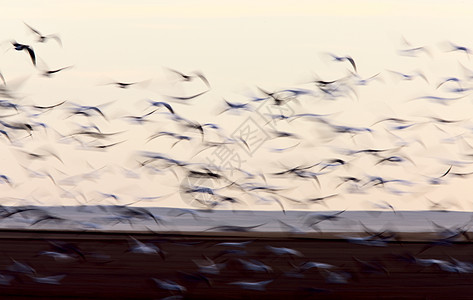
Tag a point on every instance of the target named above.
point(108, 271)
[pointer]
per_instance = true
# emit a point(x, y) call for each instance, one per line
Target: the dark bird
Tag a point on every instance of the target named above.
point(140, 119)
point(178, 137)
point(454, 47)
point(344, 58)
point(320, 199)
point(18, 126)
point(49, 106)
point(183, 98)
point(195, 74)
point(234, 228)
point(45, 153)
point(49, 73)
point(48, 217)
point(106, 146)
point(86, 110)
point(125, 85)
point(27, 48)
point(277, 99)
point(394, 159)
point(235, 106)
point(449, 79)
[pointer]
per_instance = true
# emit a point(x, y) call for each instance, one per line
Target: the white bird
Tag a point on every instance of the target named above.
point(209, 266)
point(169, 285)
point(6, 279)
point(144, 248)
point(312, 264)
point(256, 286)
point(284, 251)
point(334, 277)
point(233, 244)
point(255, 266)
point(58, 256)
point(48, 279)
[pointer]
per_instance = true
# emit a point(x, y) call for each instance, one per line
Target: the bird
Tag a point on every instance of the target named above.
point(3, 79)
point(161, 103)
point(58, 256)
point(278, 100)
point(144, 248)
point(125, 85)
point(335, 277)
point(43, 38)
point(255, 286)
point(255, 266)
point(364, 81)
point(405, 76)
point(140, 119)
point(234, 244)
point(177, 212)
point(313, 219)
point(54, 279)
point(368, 241)
point(451, 47)
point(344, 58)
point(48, 107)
point(395, 159)
point(320, 199)
point(189, 77)
point(312, 264)
point(284, 251)
point(234, 228)
point(49, 73)
point(235, 107)
point(27, 48)
point(184, 98)
point(45, 153)
point(19, 267)
point(414, 51)
point(208, 266)
point(6, 279)
point(438, 99)
point(86, 110)
point(178, 137)
point(169, 285)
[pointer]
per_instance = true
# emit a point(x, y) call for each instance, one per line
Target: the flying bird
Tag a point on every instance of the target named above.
point(188, 77)
point(43, 38)
point(49, 73)
point(27, 48)
point(344, 58)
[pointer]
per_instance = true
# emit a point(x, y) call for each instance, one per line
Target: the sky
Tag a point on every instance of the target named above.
point(239, 46)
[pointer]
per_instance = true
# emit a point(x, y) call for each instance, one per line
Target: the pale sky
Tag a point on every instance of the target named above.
point(238, 45)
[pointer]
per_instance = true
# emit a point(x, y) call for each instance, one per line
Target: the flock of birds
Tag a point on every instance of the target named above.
point(293, 148)
point(313, 155)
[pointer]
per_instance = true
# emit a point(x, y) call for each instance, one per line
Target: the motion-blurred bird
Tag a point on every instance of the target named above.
point(27, 48)
point(43, 38)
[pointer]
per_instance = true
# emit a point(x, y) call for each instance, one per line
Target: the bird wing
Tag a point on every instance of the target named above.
point(32, 55)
